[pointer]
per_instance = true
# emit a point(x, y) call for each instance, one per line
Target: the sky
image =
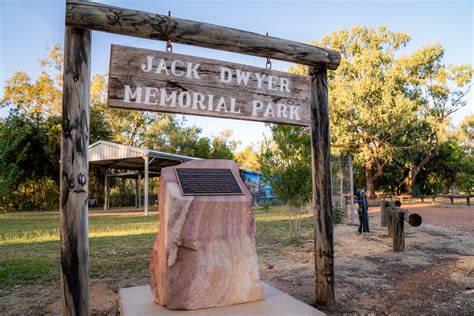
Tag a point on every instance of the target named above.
point(28, 28)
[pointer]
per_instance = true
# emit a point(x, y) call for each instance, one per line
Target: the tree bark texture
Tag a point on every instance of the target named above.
point(74, 173)
point(321, 175)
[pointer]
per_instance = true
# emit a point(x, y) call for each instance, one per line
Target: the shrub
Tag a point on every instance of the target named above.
point(337, 214)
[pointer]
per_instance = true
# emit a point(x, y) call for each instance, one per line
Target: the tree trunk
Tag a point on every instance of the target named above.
point(408, 184)
point(370, 178)
point(370, 183)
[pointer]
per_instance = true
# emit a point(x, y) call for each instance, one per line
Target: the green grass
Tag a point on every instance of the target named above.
point(119, 246)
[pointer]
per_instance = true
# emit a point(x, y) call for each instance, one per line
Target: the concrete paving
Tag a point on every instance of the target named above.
point(139, 301)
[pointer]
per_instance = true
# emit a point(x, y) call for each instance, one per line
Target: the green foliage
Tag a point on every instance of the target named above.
point(452, 166)
point(266, 206)
point(465, 134)
point(10, 155)
point(387, 108)
point(337, 214)
point(288, 174)
point(30, 139)
point(247, 159)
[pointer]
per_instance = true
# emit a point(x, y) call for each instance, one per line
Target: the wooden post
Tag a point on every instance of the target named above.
point(139, 190)
point(383, 213)
point(321, 176)
point(74, 173)
point(388, 211)
point(106, 192)
point(351, 187)
point(145, 193)
point(396, 218)
point(136, 192)
point(398, 232)
point(341, 185)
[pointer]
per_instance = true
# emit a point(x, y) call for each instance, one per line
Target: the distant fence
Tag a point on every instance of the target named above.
point(432, 198)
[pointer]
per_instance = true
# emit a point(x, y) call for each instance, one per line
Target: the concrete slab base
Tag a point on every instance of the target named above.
point(139, 301)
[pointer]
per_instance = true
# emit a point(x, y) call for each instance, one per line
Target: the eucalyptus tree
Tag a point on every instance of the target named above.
point(383, 101)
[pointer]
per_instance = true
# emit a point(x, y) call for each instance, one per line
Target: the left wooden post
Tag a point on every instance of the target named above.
point(74, 172)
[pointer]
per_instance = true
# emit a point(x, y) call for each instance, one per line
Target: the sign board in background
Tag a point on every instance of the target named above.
point(150, 80)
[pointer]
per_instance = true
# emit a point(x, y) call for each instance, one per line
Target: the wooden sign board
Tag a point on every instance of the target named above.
point(150, 80)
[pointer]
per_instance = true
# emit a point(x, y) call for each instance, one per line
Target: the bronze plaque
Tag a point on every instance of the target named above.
point(194, 181)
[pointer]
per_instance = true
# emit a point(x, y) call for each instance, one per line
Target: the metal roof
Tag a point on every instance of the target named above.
point(116, 156)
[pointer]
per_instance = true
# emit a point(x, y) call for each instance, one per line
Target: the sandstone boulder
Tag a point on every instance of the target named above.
point(204, 255)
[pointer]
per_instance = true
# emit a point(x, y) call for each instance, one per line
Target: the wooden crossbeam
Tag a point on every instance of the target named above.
point(106, 18)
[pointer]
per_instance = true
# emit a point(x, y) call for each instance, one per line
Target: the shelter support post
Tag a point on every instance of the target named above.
point(74, 173)
point(145, 193)
point(137, 192)
point(106, 191)
point(321, 176)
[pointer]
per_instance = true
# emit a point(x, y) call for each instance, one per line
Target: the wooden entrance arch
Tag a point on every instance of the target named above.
point(84, 17)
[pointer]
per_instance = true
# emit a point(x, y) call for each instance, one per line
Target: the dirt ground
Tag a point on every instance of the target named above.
point(434, 276)
point(458, 217)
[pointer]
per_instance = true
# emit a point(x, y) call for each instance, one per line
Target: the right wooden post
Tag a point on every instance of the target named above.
point(321, 177)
